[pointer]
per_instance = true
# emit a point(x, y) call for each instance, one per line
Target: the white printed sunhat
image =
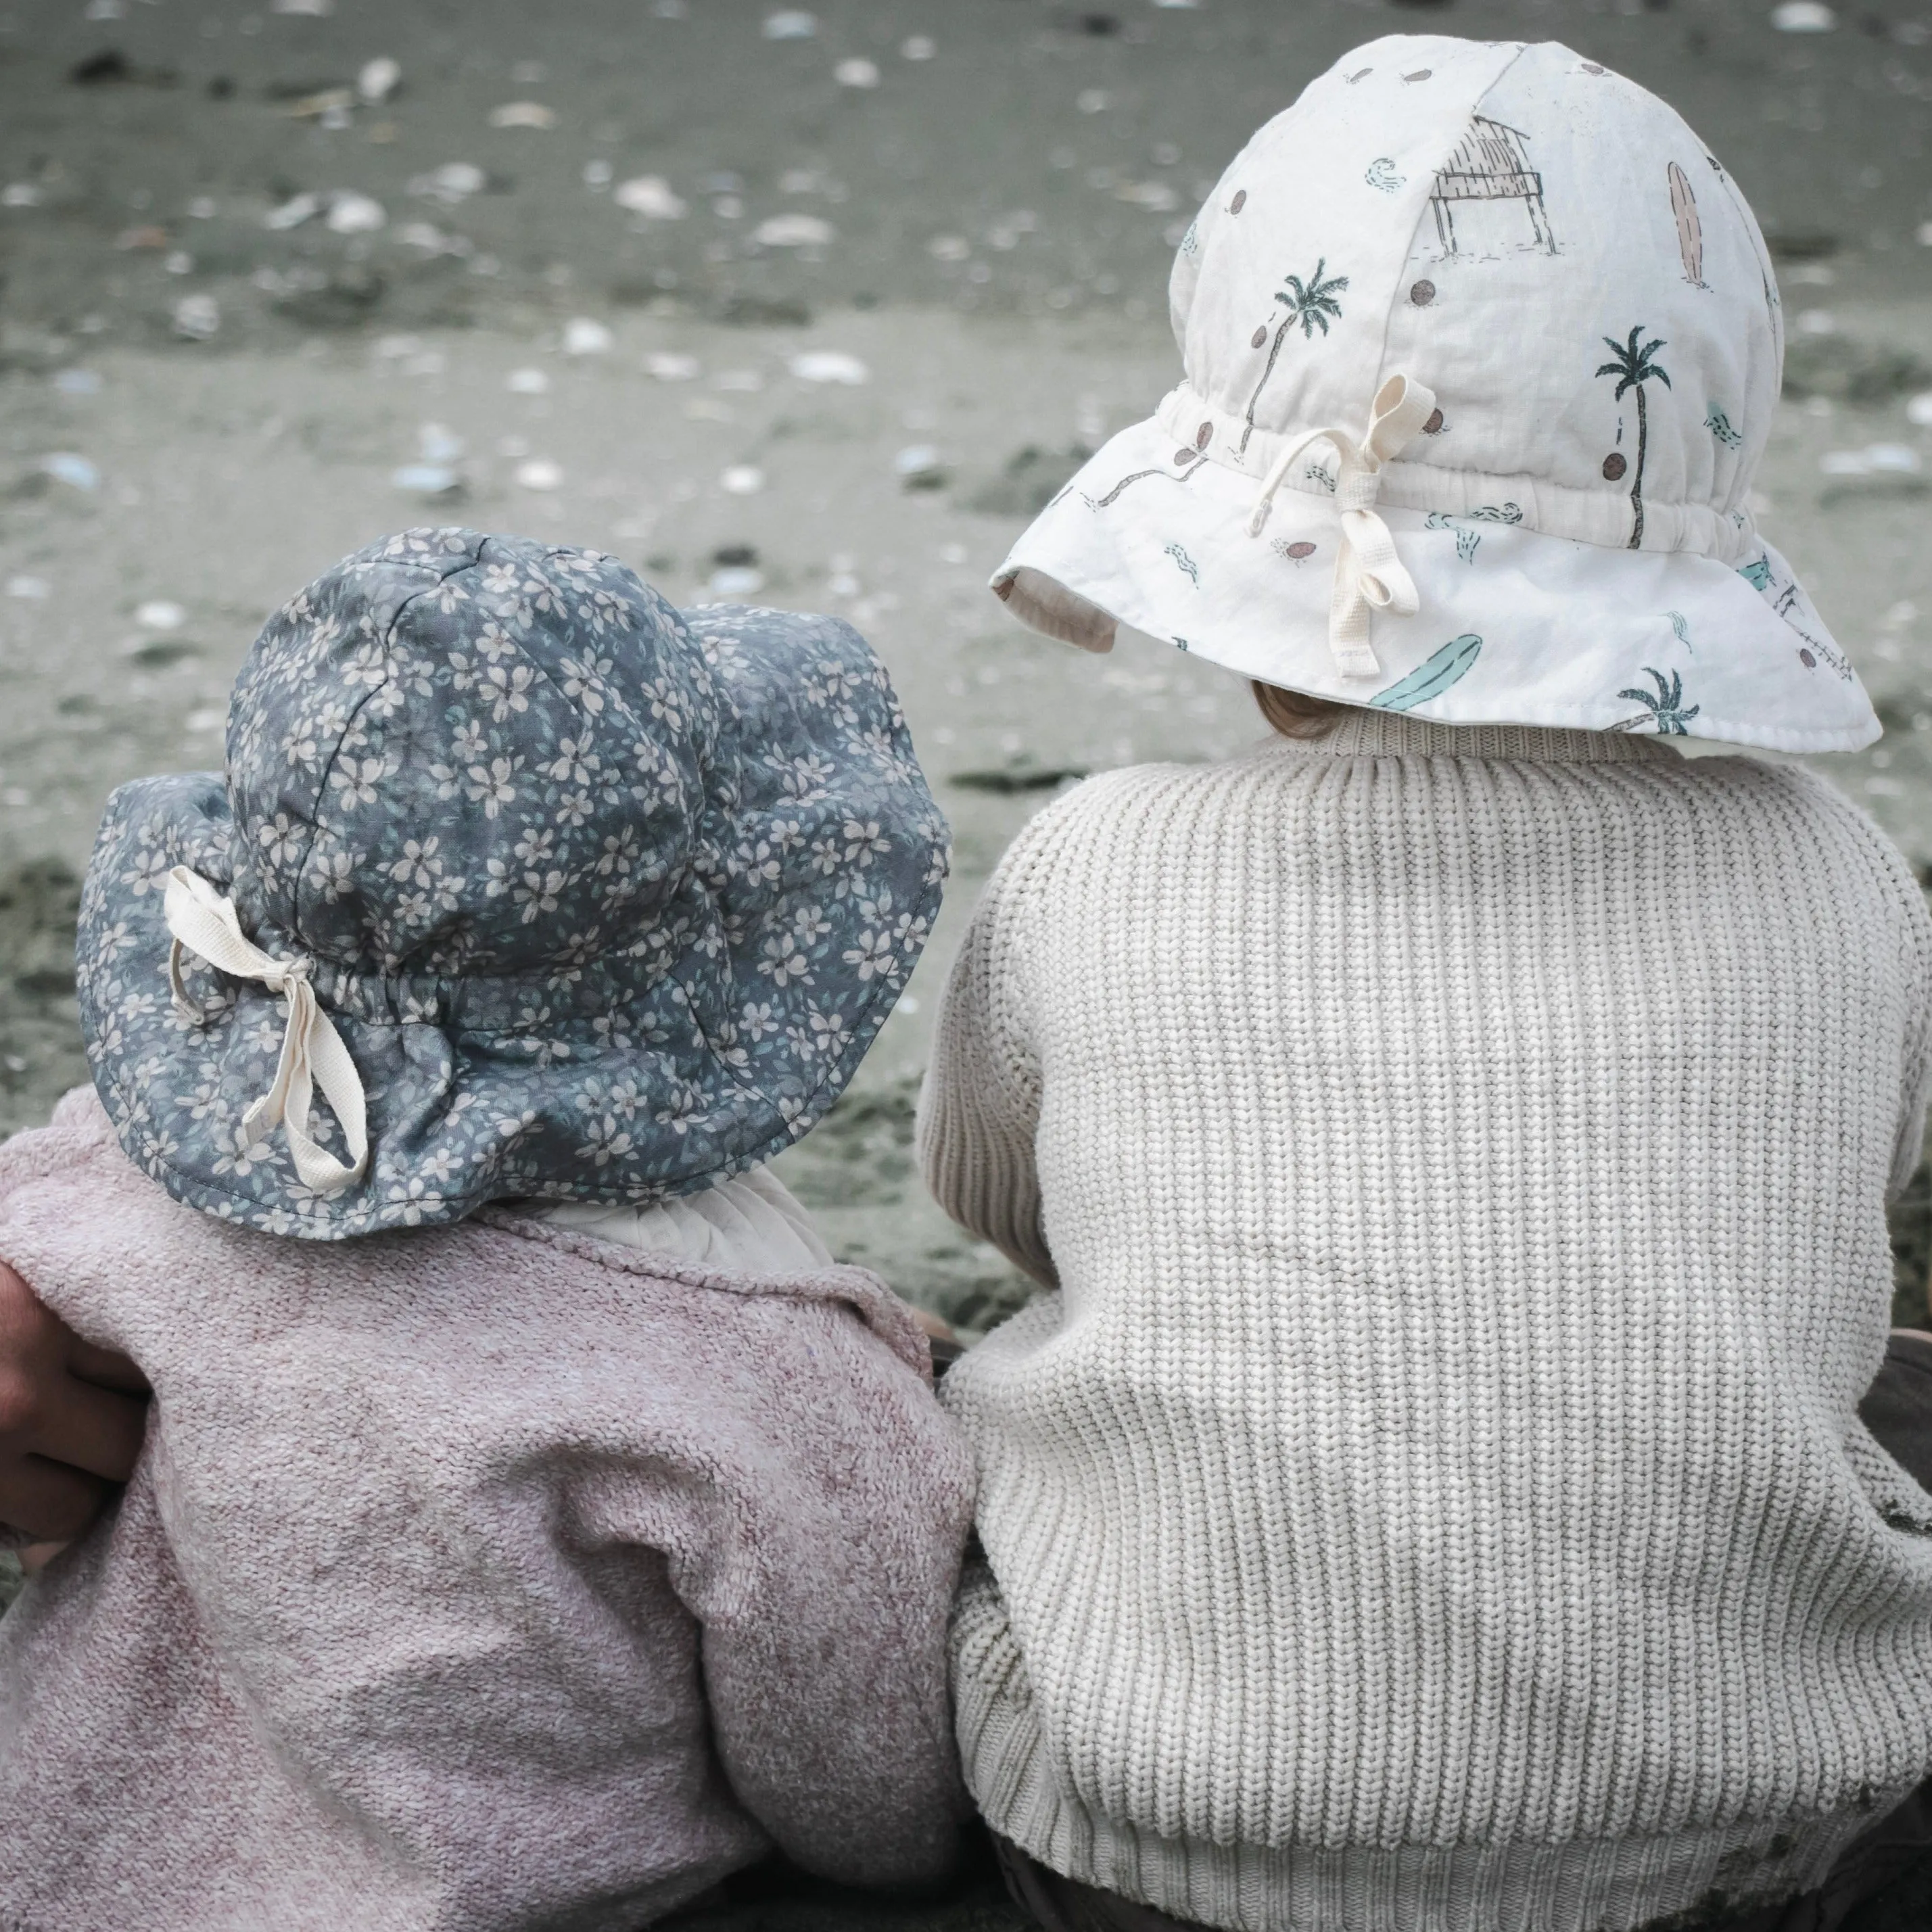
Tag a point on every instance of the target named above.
point(1481, 348)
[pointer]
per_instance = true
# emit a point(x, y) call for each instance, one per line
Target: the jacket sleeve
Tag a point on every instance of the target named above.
point(979, 1107)
point(823, 1580)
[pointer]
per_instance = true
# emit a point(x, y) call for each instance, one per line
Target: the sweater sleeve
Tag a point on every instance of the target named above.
point(823, 1585)
point(979, 1106)
point(1916, 1086)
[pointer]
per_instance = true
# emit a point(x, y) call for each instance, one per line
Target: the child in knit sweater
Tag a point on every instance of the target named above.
point(535, 1525)
point(1433, 1493)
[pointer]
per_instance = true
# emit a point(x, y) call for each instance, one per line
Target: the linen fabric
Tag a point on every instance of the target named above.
point(1553, 253)
point(751, 1222)
point(606, 900)
point(478, 1577)
point(1432, 1496)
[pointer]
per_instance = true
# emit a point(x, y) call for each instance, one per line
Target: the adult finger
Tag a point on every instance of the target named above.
point(51, 1502)
point(90, 1429)
point(105, 1366)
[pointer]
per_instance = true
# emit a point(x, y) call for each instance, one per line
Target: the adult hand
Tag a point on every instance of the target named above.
point(71, 1418)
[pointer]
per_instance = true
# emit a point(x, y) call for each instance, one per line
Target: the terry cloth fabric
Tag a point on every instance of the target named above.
point(1481, 346)
point(599, 900)
point(1434, 1497)
point(472, 1578)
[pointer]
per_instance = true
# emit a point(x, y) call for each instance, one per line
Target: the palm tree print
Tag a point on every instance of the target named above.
point(1633, 368)
point(1310, 303)
point(1666, 709)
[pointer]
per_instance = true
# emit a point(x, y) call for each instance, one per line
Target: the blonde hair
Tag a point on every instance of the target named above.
point(1294, 714)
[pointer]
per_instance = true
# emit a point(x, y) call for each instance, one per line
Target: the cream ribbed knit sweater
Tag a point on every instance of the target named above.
point(1434, 1497)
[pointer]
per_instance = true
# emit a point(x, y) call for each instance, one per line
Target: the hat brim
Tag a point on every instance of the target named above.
point(612, 1082)
point(1512, 627)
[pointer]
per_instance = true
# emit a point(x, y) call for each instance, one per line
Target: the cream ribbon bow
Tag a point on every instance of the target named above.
point(1368, 575)
point(204, 922)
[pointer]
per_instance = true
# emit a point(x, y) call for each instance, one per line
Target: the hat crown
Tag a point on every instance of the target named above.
point(547, 694)
point(1543, 244)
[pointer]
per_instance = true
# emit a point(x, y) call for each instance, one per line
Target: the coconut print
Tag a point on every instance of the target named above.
point(1382, 175)
point(1360, 74)
point(1719, 424)
point(1467, 539)
point(1690, 229)
point(1665, 712)
point(1298, 553)
point(1633, 368)
point(1490, 163)
point(1312, 303)
point(1185, 563)
point(1431, 677)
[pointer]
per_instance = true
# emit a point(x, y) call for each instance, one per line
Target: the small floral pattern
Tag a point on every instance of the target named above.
point(607, 900)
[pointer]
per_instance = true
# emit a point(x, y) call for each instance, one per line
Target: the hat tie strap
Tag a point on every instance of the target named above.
point(202, 921)
point(1368, 575)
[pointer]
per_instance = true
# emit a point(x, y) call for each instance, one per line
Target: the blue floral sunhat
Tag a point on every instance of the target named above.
point(550, 889)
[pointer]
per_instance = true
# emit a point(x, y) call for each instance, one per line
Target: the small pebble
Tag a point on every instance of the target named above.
point(522, 114)
point(454, 181)
point(377, 80)
point(64, 467)
point(1803, 17)
point(528, 382)
point(792, 24)
point(668, 367)
point(197, 317)
point(293, 212)
point(736, 580)
point(829, 365)
point(159, 615)
point(917, 47)
point(856, 73)
point(584, 335)
point(28, 587)
point(424, 479)
point(741, 479)
point(87, 382)
point(794, 231)
point(539, 473)
point(352, 214)
point(651, 197)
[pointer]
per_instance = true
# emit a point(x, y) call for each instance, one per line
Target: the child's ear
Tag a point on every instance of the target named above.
point(1043, 604)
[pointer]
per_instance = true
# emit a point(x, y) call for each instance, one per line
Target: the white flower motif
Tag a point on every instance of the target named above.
point(874, 955)
point(489, 785)
point(420, 863)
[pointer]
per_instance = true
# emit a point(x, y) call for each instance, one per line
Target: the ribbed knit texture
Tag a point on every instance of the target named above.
point(1462, 1158)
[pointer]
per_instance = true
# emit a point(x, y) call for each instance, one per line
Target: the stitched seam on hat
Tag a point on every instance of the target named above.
point(1382, 371)
point(348, 724)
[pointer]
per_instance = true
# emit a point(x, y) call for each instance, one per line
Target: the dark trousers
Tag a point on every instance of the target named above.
point(1898, 1411)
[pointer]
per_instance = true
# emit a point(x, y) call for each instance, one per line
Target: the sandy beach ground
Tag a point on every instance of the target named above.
point(809, 308)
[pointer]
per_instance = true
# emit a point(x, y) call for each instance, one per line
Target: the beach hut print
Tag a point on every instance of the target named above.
point(1491, 162)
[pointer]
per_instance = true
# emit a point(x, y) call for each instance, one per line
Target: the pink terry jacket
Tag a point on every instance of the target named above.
point(479, 1577)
